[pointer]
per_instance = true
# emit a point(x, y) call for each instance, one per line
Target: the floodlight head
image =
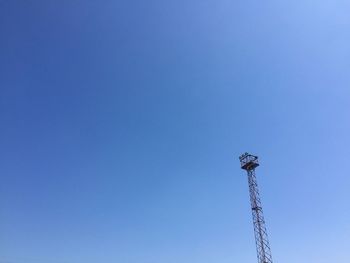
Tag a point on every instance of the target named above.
point(248, 161)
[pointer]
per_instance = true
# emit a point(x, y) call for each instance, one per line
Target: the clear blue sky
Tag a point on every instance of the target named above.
point(122, 123)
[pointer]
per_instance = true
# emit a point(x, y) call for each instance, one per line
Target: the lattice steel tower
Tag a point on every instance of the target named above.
point(249, 163)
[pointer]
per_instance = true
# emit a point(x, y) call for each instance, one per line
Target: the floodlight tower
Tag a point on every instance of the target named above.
point(249, 163)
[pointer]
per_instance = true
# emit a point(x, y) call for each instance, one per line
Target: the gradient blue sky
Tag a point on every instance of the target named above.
point(122, 123)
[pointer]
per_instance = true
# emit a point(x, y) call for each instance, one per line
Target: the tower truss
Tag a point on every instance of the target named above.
point(249, 163)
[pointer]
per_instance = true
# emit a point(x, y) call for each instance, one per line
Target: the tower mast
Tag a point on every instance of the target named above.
point(249, 163)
